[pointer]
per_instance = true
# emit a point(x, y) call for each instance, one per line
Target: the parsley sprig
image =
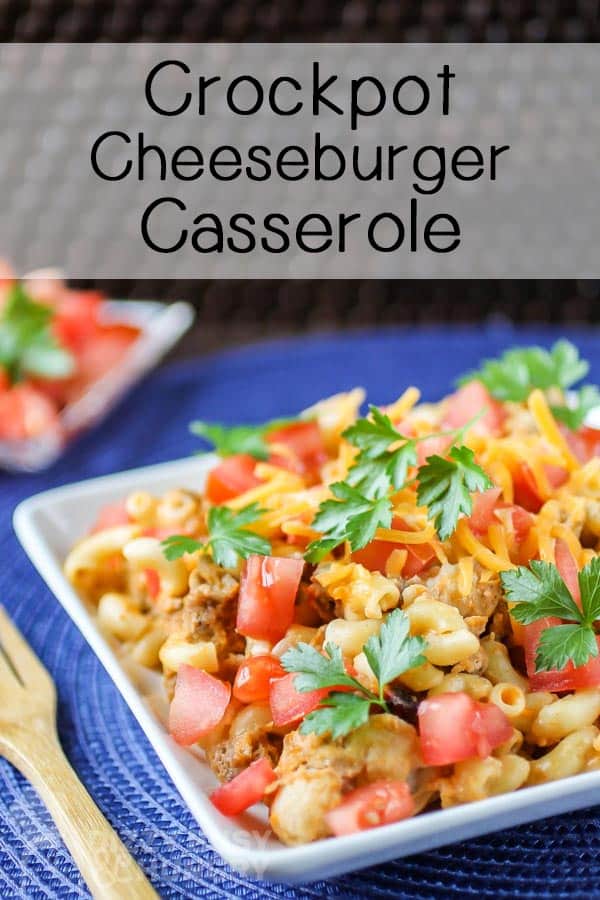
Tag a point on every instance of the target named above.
point(228, 539)
point(389, 654)
point(27, 344)
point(515, 374)
point(350, 517)
point(378, 468)
point(362, 503)
point(445, 487)
point(539, 592)
point(247, 439)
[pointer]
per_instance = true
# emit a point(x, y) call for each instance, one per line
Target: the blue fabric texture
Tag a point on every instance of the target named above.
point(558, 857)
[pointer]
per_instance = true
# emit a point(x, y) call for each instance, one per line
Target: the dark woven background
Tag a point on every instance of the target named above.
point(234, 312)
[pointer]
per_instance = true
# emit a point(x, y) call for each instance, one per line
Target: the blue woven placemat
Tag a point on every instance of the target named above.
point(557, 857)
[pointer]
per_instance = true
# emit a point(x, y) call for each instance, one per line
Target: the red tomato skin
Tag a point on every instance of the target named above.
point(230, 478)
point(432, 446)
point(567, 568)
point(525, 486)
point(198, 705)
point(4, 380)
point(25, 412)
point(584, 443)
point(267, 596)
point(484, 505)
point(522, 522)
point(379, 803)
point(152, 579)
point(570, 678)
point(289, 705)
point(110, 516)
point(467, 402)
point(76, 317)
point(376, 554)
point(454, 727)
point(245, 789)
point(305, 441)
point(253, 678)
point(102, 351)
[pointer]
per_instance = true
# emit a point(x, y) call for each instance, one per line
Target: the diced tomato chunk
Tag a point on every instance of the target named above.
point(152, 583)
point(245, 789)
point(376, 554)
point(199, 704)
point(454, 727)
point(25, 412)
point(522, 522)
point(567, 567)
point(585, 442)
point(110, 516)
point(379, 803)
point(231, 477)
point(76, 317)
point(289, 705)
point(525, 486)
point(267, 596)
point(305, 441)
point(467, 402)
point(484, 505)
point(4, 380)
point(571, 678)
point(103, 350)
point(437, 445)
point(253, 678)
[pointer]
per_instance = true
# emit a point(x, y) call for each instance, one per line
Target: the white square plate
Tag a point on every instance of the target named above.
point(49, 523)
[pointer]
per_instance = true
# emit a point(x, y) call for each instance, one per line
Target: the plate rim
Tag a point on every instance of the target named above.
point(309, 862)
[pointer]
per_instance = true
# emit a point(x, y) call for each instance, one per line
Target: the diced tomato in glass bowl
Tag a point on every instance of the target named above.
point(66, 356)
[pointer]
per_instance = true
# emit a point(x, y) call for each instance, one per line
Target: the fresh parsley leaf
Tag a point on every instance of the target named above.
point(584, 400)
point(229, 441)
point(350, 517)
point(377, 468)
point(317, 670)
point(589, 585)
point(27, 344)
point(565, 643)
point(228, 539)
point(337, 715)
point(568, 365)
point(445, 487)
point(176, 545)
point(389, 654)
point(393, 651)
point(518, 371)
point(375, 477)
point(373, 436)
point(538, 591)
point(248, 439)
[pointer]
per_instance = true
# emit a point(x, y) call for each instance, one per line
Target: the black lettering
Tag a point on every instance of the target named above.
point(452, 232)
point(291, 110)
point(304, 230)
point(94, 156)
point(150, 83)
point(145, 221)
point(237, 229)
point(214, 227)
point(269, 226)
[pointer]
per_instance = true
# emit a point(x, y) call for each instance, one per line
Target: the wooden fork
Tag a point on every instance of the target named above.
point(28, 739)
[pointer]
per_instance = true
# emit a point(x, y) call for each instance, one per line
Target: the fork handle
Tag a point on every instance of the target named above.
point(108, 868)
